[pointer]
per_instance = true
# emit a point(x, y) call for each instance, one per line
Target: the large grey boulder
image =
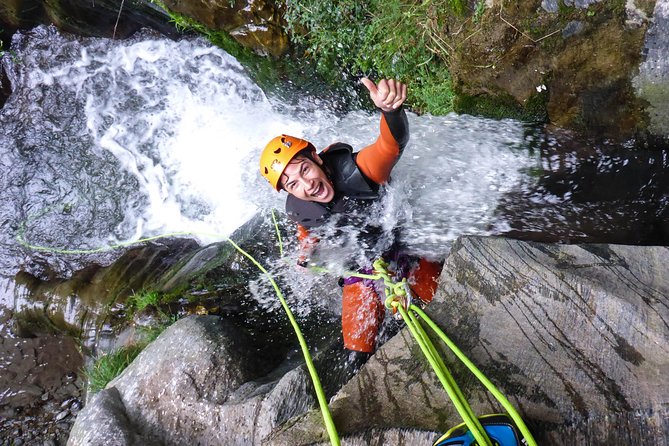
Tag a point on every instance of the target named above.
point(577, 337)
point(198, 383)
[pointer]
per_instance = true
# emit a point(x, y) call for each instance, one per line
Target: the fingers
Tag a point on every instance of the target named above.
point(388, 94)
point(369, 84)
point(400, 96)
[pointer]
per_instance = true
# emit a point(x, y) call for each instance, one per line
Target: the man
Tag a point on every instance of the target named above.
point(339, 182)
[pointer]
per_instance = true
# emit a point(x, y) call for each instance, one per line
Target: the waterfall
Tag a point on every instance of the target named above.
point(111, 141)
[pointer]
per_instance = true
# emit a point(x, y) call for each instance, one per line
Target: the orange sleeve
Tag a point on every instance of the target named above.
point(377, 160)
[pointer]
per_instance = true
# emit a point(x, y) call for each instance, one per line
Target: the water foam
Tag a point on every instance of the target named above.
point(178, 128)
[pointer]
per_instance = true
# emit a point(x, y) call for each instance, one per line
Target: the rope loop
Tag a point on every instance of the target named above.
point(397, 293)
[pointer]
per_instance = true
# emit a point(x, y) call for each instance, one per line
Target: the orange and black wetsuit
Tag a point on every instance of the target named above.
point(356, 178)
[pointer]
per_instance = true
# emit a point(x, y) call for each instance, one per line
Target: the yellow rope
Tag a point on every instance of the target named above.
point(397, 299)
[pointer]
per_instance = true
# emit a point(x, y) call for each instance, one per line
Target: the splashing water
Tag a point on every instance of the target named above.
point(153, 132)
point(114, 140)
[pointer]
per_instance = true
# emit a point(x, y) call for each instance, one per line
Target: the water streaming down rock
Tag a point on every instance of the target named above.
point(106, 141)
point(110, 141)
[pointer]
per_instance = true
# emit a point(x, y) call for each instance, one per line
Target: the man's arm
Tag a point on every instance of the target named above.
point(377, 160)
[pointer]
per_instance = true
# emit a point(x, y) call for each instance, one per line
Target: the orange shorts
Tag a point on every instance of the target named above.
point(363, 310)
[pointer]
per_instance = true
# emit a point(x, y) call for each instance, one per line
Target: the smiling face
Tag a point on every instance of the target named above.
point(305, 179)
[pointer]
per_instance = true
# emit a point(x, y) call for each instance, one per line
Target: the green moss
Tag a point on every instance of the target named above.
point(175, 293)
point(108, 366)
point(503, 106)
point(143, 299)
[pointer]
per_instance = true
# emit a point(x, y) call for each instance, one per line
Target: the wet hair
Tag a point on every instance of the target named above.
point(306, 153)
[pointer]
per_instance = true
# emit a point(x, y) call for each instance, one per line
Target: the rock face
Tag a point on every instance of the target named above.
point(573, 61)
point(255, 24)
point(102, 18)
point(652, 82)
point(193, 385)
point(44, 306)
point(575, 336)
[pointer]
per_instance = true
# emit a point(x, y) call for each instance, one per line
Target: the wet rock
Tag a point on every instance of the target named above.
point(580, 3)
point(102, 18)
point(550, 5)
point(105, 422)
point(255, 24)
point(586, 56)
point(652, 81)
point(573, 28)
point(5, 85)
point(80, 305)
point(193, 385)
point(575, 336)
point(76, 406)
point(33, 390)
point(69, 377)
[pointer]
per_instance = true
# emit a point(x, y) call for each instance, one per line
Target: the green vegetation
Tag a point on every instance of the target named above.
point(109, 366)
point(503, 106)
point(381, 38)
point(488, 51)
point(479, 10)
point(139, 301)
point(144, 299)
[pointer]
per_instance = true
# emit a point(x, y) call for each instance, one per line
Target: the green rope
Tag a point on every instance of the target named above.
point(320, 393)
point(396, 298)
point(499, 396)
point(26, 244)
point(322, 401)
point(447, 381)
point(278, 233)
point(395, 291)
point(398, 290)
point(433, 351)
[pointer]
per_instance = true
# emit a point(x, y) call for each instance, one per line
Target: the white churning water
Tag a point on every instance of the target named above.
point(185, 125)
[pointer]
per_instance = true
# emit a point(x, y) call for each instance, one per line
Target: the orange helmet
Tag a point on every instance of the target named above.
point(277, 154)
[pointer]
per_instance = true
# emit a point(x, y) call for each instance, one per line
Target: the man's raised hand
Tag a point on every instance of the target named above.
point(388, 94)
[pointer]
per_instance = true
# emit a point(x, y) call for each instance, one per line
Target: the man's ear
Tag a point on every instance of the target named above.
point(317, 159)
